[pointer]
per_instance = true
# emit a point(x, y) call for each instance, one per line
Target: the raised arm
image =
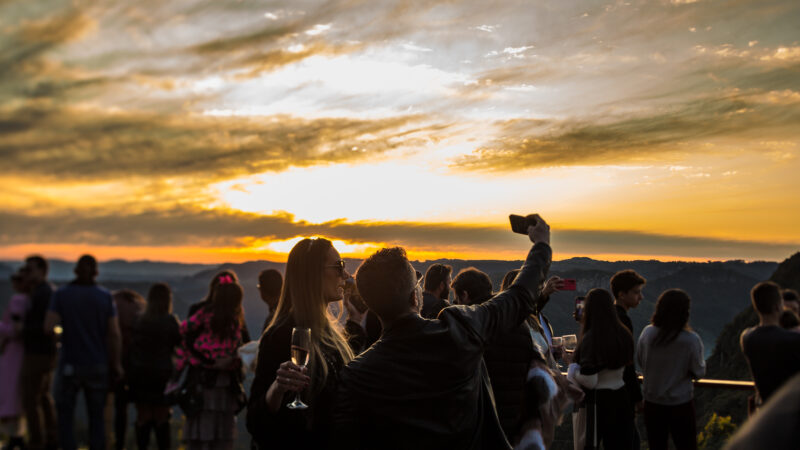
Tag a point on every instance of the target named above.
point(509, 308)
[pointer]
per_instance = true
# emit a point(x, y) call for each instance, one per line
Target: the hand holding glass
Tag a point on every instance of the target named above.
point(301, 343)
point(570, 342)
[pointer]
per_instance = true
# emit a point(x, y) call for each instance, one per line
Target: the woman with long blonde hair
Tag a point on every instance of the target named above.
point(315, 276)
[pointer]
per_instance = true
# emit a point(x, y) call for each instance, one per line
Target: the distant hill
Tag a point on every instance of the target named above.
point(719, 290)
point(727, 360)
point(120, 270)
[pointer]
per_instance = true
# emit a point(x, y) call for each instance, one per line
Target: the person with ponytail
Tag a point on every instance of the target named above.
point(670, 355)
point(211, 337)
point(315, 277)
point(604, 349)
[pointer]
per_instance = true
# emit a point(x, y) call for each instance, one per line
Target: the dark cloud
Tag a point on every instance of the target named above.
point(181, 226)
point(32, 38)
point(607, 140)
point(76, 143)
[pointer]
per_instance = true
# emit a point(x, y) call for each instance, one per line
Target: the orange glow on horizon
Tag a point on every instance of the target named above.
point(214, 255)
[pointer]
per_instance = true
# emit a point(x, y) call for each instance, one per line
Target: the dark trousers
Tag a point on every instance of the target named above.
point(93, 381)
point(121, 400)
point(36, 381)
point(611, 421)
point(675, 420)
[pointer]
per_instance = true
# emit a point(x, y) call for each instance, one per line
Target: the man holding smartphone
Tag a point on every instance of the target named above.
point(424, 383)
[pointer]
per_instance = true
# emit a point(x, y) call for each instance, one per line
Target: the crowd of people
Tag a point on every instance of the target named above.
point(382, 359)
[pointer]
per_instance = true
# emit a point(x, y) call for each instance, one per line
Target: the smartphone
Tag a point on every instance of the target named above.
point(569, 284)
point(520, 224)
point(578, 313)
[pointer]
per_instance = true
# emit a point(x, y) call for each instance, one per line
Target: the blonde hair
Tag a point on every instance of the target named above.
point(303, 297)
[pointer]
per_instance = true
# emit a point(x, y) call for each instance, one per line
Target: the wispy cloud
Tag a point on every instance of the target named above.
point(70, 143)
point(663, 135)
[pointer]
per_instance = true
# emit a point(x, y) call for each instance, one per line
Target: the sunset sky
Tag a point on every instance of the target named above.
point(213, 131)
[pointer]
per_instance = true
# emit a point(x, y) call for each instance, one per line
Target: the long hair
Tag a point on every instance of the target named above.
point(605, 342)
point(159, 300)
point(303, 299)
point(215, 282)
point(671, 315)
point(227, 315)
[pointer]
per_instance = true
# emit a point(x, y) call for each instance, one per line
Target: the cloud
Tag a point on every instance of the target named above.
point(526, 143)
point(86, 143)
point(32, 38)
point(67, 27)
point(197, 227)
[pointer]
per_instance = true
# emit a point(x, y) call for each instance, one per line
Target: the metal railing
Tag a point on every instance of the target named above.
point(734, 385)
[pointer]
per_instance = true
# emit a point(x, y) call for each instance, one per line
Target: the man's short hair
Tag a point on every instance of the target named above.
point(766, 297)
point(39, 262)
point(436, 275)
point(88, 260)
point(475, 283)
point(270, 283)
point(385, 281)
point(790, 295)
point(624, 281)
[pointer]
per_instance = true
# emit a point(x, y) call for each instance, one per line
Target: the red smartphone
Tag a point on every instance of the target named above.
point(569, 284)
point(519, 224)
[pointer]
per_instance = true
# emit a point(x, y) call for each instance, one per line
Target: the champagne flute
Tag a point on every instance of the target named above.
point(301, 342)
point(556, 347)
point(570, 342)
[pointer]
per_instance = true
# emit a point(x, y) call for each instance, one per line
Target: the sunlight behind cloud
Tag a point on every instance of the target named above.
point(395, 190)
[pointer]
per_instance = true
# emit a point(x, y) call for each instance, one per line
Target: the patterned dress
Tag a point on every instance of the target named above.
point(214, 427)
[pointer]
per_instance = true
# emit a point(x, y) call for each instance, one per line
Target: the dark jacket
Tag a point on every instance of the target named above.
point(153, 344)
point(508, 358)
point(288, 429)
point(629, 375)
point(431, 305)
point(424, 384)
point(34, 338)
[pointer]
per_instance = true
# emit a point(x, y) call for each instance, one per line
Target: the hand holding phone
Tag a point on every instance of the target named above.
point(540, 233)
point(578, 313)
point(568, 284)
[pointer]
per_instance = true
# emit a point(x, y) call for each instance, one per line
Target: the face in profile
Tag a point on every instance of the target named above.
point(632, 297)
point(334, 276)
point(445, 294)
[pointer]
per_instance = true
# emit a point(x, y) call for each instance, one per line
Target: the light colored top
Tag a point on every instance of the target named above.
point(668, 369)
point(605, 379)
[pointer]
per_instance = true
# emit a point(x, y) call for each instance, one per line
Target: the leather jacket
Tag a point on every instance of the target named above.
point(424, 384)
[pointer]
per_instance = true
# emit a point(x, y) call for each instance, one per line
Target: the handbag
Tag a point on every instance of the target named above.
point(185, 389)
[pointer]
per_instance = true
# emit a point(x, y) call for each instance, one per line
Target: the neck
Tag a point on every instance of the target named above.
point(622, 305)
point(436, 292)
point(386, 323)
point(769, 319)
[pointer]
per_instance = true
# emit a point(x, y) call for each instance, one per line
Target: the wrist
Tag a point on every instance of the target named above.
point(276, 389)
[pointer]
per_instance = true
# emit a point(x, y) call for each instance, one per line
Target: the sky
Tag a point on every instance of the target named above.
point(226, 131)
